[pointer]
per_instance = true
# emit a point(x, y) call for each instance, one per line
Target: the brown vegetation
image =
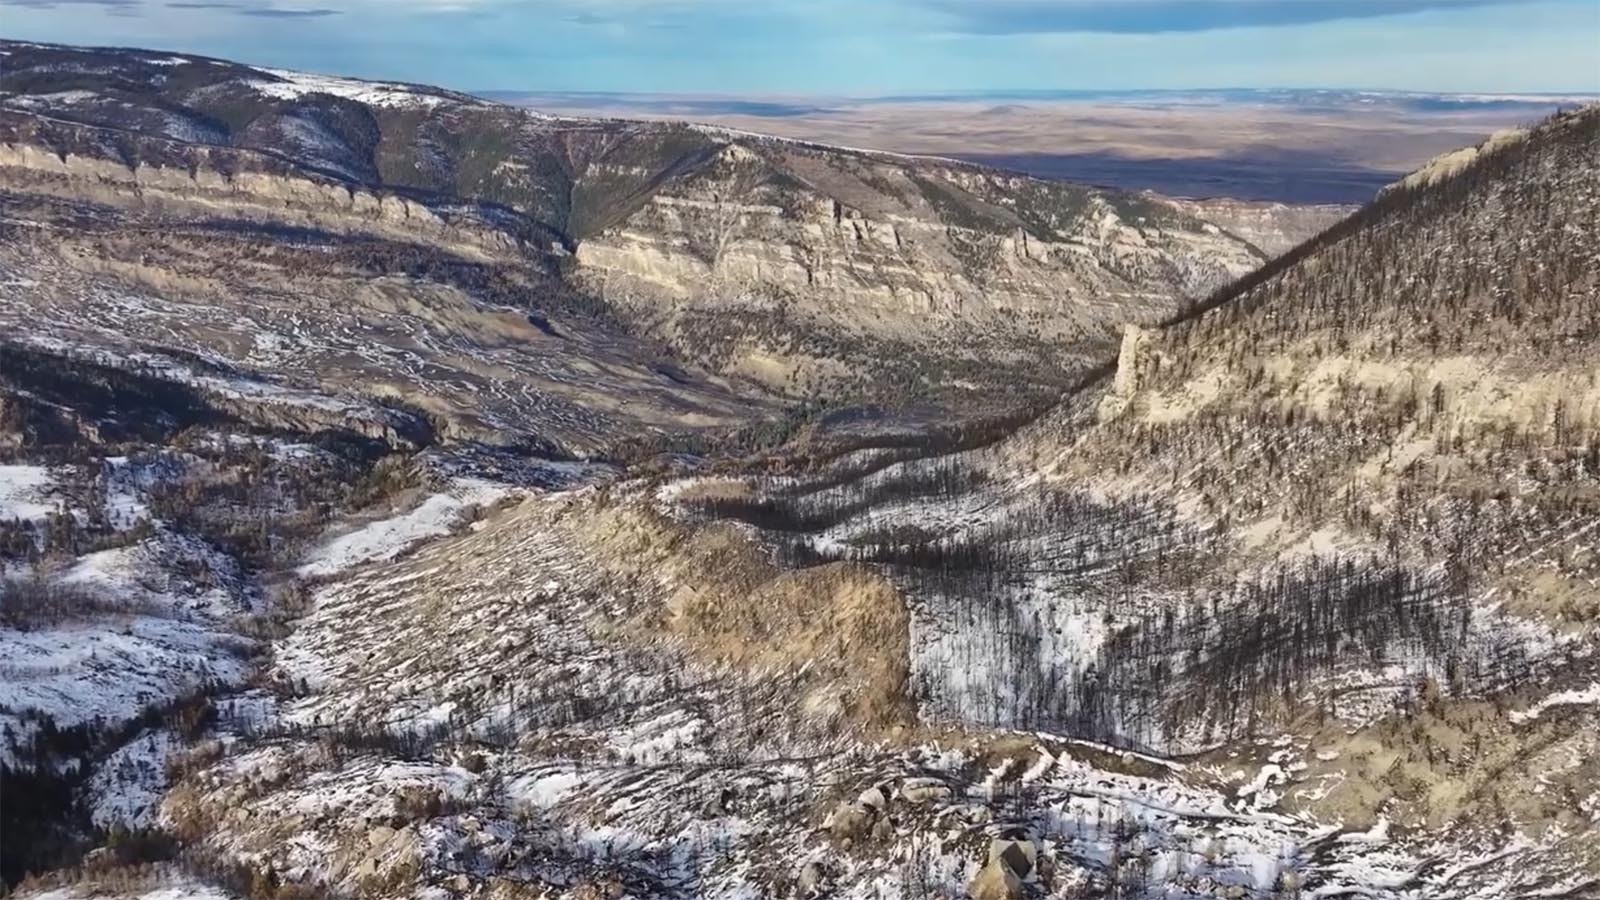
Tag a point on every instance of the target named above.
point(842, 629)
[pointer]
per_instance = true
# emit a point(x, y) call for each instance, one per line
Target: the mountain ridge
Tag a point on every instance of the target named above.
point(885, 238)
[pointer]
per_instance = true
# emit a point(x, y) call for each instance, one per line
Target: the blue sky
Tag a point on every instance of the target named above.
point(867, 47)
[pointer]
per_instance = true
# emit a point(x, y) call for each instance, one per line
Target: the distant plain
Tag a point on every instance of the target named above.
point(1291, 146)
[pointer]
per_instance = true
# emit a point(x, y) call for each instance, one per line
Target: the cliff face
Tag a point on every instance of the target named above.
point(914, 251)
point(790, 266)
point(802, 268)
point(1273, 228)
point(64, 160)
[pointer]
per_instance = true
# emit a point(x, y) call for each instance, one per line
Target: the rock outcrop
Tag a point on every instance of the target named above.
point(996, 881)
point(1448, 165)
point(1275, 228)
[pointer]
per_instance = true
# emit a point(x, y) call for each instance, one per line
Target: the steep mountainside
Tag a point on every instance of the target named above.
point(1345, 516)
point(1417, 388)
point(796, 267)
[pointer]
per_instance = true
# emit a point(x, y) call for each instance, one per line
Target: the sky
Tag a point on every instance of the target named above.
point(866, 47)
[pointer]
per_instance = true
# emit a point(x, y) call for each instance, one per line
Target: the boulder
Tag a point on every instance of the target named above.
point(1018, 855)
point(874, 799)
point(996, 881)
point(812, 880)
point(850, 821)
point(471, 760)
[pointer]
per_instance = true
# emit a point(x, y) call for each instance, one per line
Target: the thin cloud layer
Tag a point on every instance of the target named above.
point(1165, 16)
point(865, 47)
point(139, 8)
point(260, 11)
point(978, 17)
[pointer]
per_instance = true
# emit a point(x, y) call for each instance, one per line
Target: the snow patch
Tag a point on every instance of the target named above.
point(24, 493)
point(111, 671)
point(294, 85)
point(387, 539)
point(1586, 697)
point(126, 789)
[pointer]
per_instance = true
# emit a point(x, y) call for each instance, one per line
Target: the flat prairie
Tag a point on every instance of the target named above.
point(1286, 146)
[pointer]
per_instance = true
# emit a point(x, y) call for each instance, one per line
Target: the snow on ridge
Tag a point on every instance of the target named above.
point(147, 634)
point(237, 384)
point(543, 790)
point(183, 128)
point(35, 101)
point(294, 85)
point(1584, 697)
point(145, 576)
point(315, 143)
point(386, 539)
